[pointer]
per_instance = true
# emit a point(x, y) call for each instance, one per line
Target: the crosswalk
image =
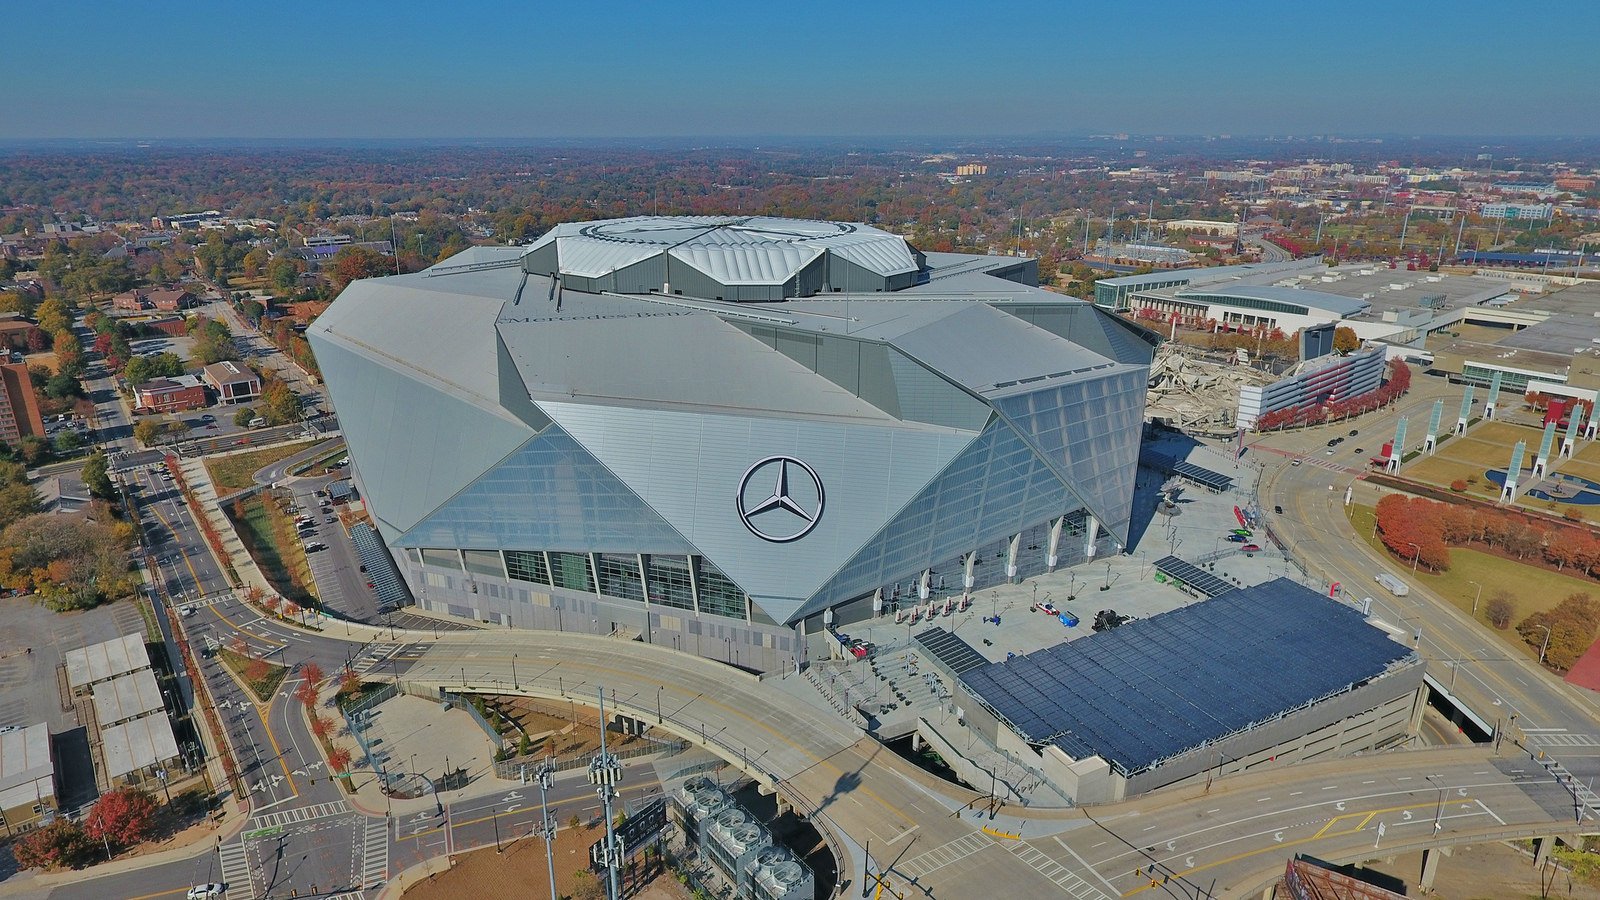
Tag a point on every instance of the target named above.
point(375, 853)
point(299, 814)
point(375, 656)
point(235, 865)
point(1060, 875)
point(1582, 795)
point(926, 863)
point(1563, 739)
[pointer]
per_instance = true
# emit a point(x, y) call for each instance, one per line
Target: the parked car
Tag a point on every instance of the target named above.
point(204, 891)
point(1048, 609)
point(1278, 510)
point(1237, 538)
point(1251, 548)
point(208, 418)
point(1333, 442)
point(1354, 432)
point(330, 520)
point(314, 546)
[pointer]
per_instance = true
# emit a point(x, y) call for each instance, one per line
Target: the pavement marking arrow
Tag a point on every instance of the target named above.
point(1277, 836)
point(1339, 806)
point(1188, 862)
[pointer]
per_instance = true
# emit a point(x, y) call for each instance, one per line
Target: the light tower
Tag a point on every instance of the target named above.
point(547, 825)
point(1508, 493)
point(1494, 395)
point(605, 773)
point(1541, 463)
point(1570, 439)
point(1398, 447)
point(1466, 410)
point(1432, 440)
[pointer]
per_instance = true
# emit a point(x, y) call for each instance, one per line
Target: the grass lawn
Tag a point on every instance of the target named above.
point(237, 472)
point(1440, 470)
point(1532, 589)
point(265, 687)
point(275, 560)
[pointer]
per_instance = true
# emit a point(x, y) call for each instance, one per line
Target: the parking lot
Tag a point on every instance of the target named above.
point(341, 583)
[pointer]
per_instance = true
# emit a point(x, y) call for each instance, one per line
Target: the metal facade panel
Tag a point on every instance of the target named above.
point(996, 487)
point(688, 467)
point(1089, 430)
point(415, 445)
point(548, 495)
point(962, 347)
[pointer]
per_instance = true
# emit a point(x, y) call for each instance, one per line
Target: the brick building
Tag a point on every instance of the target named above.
point(19, 405)
point(170, 394)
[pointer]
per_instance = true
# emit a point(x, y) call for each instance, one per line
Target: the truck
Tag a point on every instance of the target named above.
point(1394, 585)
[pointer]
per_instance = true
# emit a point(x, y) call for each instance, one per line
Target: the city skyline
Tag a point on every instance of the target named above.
point(404, 71)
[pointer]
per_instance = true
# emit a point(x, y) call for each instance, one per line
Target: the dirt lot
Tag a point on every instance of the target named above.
point(561, 730)
point(520, 872)
point(1482, 872)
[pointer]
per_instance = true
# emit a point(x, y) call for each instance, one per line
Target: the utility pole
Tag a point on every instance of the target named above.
point(605, 772)
point(547, 825)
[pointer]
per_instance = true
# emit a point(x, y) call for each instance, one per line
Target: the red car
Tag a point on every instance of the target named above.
point(1251, 548)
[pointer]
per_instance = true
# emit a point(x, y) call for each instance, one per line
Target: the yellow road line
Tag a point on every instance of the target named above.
point(1278, 847)
point(160, 894)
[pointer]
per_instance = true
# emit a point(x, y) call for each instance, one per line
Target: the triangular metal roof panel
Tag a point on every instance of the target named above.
point(689, 467)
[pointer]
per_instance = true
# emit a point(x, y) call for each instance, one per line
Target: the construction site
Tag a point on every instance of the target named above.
point(1192, 391)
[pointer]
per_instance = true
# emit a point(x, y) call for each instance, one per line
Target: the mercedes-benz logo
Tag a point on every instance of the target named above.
point(789, 508)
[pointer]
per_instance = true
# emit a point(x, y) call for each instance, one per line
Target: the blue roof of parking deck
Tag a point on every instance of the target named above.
point(1156, 688)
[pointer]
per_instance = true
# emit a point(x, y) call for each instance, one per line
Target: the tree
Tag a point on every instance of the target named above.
point(352, 263)
point(62, 386)
point(339, 760)
point(68, 441)
point(1501, 607)
point(243, 416)
point(96, 475)
point(252, 311)
point(17, 501)
point(53, 316)
point(147, 431)
point(1345, 340)
point(349, 681)
point(306, 694)
point(60, 845)
point(311, 672)
point(1564, 632)
point(279, 405)
point(321, 726)
point(123, 817)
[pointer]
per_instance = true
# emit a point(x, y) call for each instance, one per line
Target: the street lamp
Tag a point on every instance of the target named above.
point(1546, 645)
point(1438, 812)
point(1475, 598)
point(514, 682)
point(1415, 556)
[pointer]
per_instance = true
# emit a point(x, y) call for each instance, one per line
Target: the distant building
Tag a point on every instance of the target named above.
point(233, 382)
point(171, 300)
point(185, 220)
point(972, 169)
point(1209, 226)
point(169, 325)
point(14, 332)
point(27, 778)
point(1517, 211)
point(19, 405)
point(1320, 381)
point(131, 301)
point(170, 394)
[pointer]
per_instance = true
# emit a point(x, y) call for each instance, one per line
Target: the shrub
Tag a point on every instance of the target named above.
point(1458, 485)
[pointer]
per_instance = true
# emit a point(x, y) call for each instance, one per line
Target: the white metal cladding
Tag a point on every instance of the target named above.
point(729, 249)
point(687, 467)
point(415, 445)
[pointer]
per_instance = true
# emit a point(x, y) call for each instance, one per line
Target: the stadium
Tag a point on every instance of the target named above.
point(727, 434)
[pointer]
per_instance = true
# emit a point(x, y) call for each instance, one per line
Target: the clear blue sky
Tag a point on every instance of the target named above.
point(592, 68)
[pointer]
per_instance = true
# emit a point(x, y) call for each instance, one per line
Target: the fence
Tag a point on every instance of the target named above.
point(512, 768)
point(461, 701)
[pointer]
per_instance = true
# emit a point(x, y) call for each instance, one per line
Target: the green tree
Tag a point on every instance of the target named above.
point(17, 501)
point(283, 274)
point(97, 475)
point(147, 431)
point(279, 405)
point(243, 416)
point(138, 370)
point(53, 316)
point(68, 440)
point(62, 386)
point(252, 311)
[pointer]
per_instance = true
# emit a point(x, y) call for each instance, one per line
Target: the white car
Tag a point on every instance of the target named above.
point(203, 891)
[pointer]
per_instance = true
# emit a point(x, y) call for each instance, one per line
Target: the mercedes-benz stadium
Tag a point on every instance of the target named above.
point(726, 434)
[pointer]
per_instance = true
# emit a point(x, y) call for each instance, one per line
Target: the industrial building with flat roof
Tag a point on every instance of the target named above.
point(717, 433)
point(27, 777)
point(1274, 672)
